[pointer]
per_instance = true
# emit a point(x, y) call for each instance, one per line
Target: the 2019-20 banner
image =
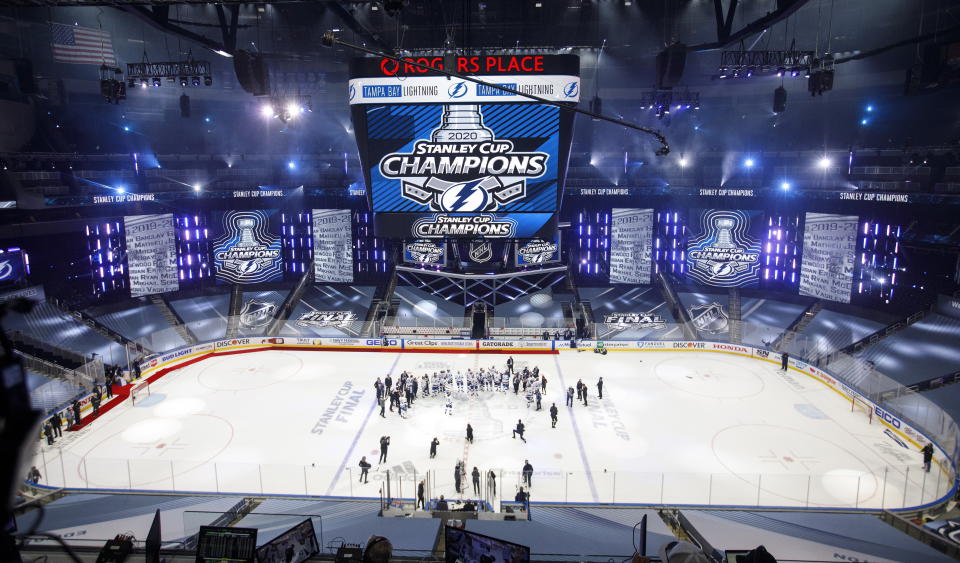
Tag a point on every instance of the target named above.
point(631, 244)
point(332, 245)
point(829, 254)
point(151, 254)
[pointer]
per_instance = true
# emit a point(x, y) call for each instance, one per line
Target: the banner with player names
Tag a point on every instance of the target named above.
point(724, 248)
point(829, 255)
point(631, 244)
point(151, 247)
point(332, 246)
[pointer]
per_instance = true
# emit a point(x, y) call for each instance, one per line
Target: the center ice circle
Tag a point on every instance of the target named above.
point(249, 371)
point(709, 376)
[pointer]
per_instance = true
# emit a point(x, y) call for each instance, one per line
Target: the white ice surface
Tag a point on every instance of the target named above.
point(695, 428)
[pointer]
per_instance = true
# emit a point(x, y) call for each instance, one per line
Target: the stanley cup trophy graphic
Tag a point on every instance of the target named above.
point(461, 123)
point(246, 233)
point(724, 233)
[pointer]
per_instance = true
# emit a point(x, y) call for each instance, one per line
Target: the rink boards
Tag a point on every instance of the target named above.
point(158, 366)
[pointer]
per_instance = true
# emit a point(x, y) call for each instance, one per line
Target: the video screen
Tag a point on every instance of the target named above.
point(299, 543)
point(469, 547)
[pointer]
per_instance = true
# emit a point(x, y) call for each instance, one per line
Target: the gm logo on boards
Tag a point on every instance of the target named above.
point(887, 417)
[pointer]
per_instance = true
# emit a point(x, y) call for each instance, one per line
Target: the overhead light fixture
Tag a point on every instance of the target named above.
point(208, 80)
point(824, 163)
point(223, 53)
point(157, 81)
point(197, 187)
point(266, 110)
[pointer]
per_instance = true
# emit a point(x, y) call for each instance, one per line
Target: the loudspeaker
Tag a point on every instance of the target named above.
point(252, 72)
point(670, 63)
point(779, 100)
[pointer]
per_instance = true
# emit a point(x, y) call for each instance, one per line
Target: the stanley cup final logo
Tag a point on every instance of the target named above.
point(724, 255)
point(246, 253)
point(462, 168)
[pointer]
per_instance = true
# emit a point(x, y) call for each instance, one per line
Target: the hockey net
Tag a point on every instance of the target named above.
point(139, 392)
point(860, 406)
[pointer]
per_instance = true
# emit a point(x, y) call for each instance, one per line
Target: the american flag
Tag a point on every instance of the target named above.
point(81, 45)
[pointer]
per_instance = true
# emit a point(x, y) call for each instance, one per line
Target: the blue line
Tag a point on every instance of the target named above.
point(576, 432)
point(357, 437)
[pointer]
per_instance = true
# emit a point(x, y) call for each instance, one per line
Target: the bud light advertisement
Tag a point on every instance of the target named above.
point(246, 250)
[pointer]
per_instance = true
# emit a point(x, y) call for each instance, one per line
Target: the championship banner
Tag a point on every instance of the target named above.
point(631, 245)
point(829, 253)
point(425, 252)
point(246, 250)
point(151, 247)
point(453, 159)
point(11, 266)
point(332, 246)
point(724, 249)
point(538, 251)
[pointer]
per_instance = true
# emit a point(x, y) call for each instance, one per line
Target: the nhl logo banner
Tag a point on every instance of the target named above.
point(461, 166)
point(537, 252)
point(724, 253)
point(246, 252)
point(257, 314)
point(480, 252)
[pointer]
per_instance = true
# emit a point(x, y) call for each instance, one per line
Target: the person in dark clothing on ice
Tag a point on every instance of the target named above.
point(420, 499)
point(519, 430)
point(456, 477)
point(476, 481)
point(579, 389)
point(569, 396)
point(48, 432)
point(521, 496)
point(76, 413)
point(388, 383)
point(538, 396)
point(433, 447)
point(516, 383)
point(384, 445)
point(510, 364)
point(364, 469)
point(383, 405)
point(469, 433)
point(927, 456)
point(553, 416)
point(583, 392)
point(527, 472)
point(600, 387)
point(57, 425)
point(784, 361)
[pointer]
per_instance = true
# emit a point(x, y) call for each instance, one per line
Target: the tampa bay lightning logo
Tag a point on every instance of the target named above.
point(571, 89)
point(457, 89)
point(353, 92)
point(6, 269)
point(465, 197)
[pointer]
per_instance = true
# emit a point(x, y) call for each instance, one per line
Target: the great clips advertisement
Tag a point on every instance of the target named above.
point(447, 158)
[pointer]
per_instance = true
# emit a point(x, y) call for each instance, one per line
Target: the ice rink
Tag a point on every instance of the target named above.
point(697, 428)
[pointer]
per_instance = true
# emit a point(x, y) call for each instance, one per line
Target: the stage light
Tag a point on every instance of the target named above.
point(864, 121)
point(207, 119)
point(683, 162)
point(121, 189)
point(291, 165)
point(869, 108)
point(780, 72)
point(157, 81)
point(824, 163)
point(196, 187)
point(748, 162)
point(292, 110)
point(795, 73)
point(183, 81)
point(223, 53)
point(126, 128)
point(208, 81)
point(143, 82)
point(784, 186)
point(195, 80)
point(749, 73)
point(266, 110)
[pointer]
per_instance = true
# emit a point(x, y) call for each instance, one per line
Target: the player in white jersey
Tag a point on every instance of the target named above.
point(448, 407)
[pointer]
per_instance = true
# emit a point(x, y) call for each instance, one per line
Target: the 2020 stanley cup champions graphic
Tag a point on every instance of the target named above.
point(724, 250)
point(246, 251)
point(448, 158)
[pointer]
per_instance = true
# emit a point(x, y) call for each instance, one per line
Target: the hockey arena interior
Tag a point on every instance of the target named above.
point(480, 280)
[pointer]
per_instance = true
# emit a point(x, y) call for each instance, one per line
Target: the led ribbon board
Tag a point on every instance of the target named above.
point(448, 158)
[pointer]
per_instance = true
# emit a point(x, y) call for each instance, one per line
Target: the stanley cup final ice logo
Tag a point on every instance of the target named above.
point(724, 255)
point(246, 253)
point(462, 168)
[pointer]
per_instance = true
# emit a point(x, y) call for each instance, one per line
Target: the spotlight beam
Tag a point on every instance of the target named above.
point(329, 39)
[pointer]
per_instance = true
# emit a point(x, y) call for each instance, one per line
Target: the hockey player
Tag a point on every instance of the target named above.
point(459, 380)
point(553, 415)
point(538, 396)
point(529, 396)
point(425, 385)
point(448, 407)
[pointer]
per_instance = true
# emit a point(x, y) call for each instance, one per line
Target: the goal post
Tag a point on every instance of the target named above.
point(139, 391)
point(859, 405)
